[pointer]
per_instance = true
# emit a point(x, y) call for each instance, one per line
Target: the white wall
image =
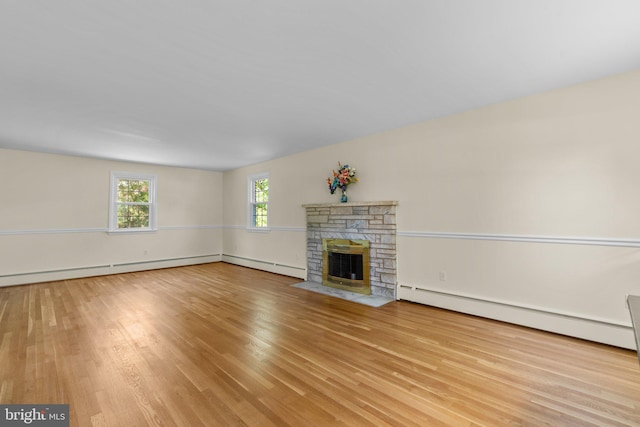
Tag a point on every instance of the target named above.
point(54, 217)
point(529, 207)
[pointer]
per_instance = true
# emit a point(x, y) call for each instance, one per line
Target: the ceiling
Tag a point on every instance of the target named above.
point(218, 85)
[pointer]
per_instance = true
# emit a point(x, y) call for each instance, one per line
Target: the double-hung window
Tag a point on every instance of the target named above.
point(133, 202)
point(259, 201)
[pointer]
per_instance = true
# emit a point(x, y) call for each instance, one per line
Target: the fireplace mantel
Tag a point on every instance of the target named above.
point(374, 222)
point(324, 205)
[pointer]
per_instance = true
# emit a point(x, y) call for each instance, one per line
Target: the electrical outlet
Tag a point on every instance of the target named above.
point(443, 276)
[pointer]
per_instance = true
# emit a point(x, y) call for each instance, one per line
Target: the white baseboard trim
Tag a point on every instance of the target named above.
point(102, 270)
point(272, 267)
point(592, 329)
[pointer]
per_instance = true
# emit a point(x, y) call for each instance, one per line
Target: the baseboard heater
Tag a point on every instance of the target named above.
point(128, 264)
point(105, 266)
point(410, 288)
point(259, 261)
point(61, 270)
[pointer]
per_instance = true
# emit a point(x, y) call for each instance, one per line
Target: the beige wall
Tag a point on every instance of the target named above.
point(527, 188)
point(528, 206)
point(54, 216)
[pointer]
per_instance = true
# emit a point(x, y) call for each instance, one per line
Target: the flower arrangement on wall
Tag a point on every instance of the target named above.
point(341, 179)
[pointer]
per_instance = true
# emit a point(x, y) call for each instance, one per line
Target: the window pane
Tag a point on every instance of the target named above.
point(123, 190)
point(261, 190)
point(139, 191)
point(133, 190)
point(259, 215)
point(123, 216)
point(141, 216)
point(133, 216)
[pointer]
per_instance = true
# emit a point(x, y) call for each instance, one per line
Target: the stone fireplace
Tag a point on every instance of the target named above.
point(349, 228)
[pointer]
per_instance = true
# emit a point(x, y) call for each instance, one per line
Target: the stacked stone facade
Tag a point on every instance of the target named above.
point(371, 221)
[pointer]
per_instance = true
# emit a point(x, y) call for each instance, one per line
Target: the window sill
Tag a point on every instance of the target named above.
point(132, 230)
point(258, 230)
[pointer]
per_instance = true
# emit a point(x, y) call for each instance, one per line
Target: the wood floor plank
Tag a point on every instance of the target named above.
point(218, 344)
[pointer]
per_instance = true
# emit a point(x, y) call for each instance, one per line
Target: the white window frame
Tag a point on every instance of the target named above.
point(113, 202)
point(251, 202)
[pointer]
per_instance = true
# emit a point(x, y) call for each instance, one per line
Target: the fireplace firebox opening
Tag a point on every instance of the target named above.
point(345, 265)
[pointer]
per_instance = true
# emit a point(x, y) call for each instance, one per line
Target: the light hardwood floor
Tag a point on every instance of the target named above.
point(218, 344)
